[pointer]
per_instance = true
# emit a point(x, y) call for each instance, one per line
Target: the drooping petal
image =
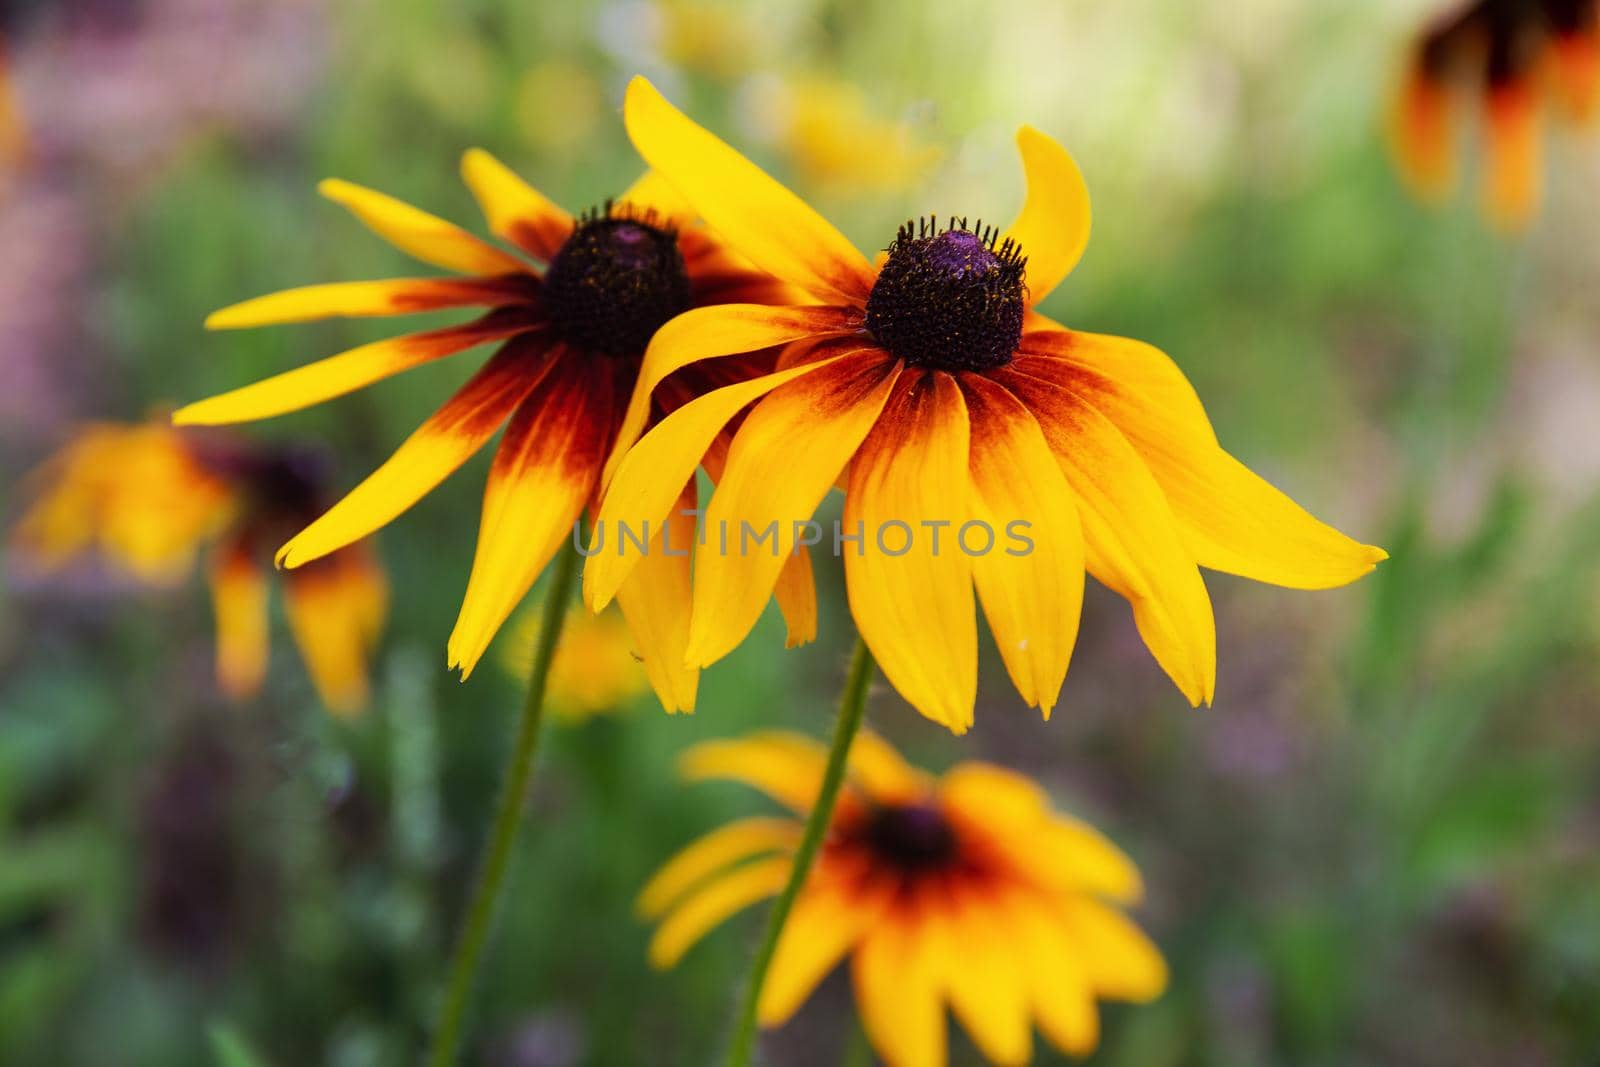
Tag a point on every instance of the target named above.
point(1514, 144)
point(713, 903)
point(543, 474)
point(335, 609)
point(1119, 961)
point(1231, 519)
point(769, 488)
point(348, 371)
point(721, 848)
point(419, 234)
point(1053, 226)
point(715, 331)
point(752, 212)
point(829, 918)
point(987, 988)
point(647, 480)
point(1058, 984)
point(516, 211)
point(785, 766)
point(1422, 133)
point(393, 296)
point(239, 603)
point(796, 593)
point(443, 443)
point(897, 991)
point(1130, 536)
point(655, 599)
point(915, 609)
point(1032, 595)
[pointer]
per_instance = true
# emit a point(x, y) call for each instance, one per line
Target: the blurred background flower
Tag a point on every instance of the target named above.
point(1379, 846)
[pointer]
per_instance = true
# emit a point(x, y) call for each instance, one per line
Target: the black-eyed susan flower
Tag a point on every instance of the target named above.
point(595, 670)
point(934, 393)
point(967, 890)
point(571, 311)
point(1514, 59)
point(149, 498)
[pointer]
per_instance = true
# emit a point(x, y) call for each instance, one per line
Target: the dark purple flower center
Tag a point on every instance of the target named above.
point(911, 837)
point(614, 282)
point(950, 300)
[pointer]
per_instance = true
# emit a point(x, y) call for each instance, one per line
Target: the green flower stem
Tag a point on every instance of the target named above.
point(852, 706)
point(484, 905)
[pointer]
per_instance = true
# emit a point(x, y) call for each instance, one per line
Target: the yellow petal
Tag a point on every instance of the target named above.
point(1422, 133)
point(440, 445)
point(1514, 145)
point(1231, 519)
point(796, 593)
point(337, 375)
point(712, 904)
point(883, 774)
point(709, 332)
point(516, 211)
point(915, 610)
point(1053, 226)
point(770, 487)
point(239, 602)
point(655, 599)
point(394, 296)
point(1032, 593)
point(331, 607)
point(544, 472)
point(897, 992)
point(704, 857)
point(1058, 984)
point(987, 987)
point(1120, 962)
point(785, 766)
point(752, 212)
point(647, 481)
point(1130, 535)
point(653, 193)
point(828, 919)
point(419, 234)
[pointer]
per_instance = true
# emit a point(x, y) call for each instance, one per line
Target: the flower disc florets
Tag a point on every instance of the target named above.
point(615, 281)
point(950, 300)
point(911, 837)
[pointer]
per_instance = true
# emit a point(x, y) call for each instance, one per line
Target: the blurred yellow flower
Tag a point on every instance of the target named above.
point(148, 498)
point(934, 392)
point(715, 38)
point(836, 141)
point(595, 670)
point(136, 494)
point(966, 889)
point(561, 128)
point(570, 312)
point(1515, 61)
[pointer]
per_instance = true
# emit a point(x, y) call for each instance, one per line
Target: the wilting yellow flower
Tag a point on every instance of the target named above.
point(570, 335)
point(148, 498)
point(967, 889)
point(1516, 58)
point(830, 132)
point(931, 389)
point(595, 669)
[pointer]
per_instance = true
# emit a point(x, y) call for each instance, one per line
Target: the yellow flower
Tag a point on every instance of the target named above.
point(830, 132)
point(1515, 58)
point(148, 498)
point(595, 669)
point(935, 394)
point(967, 889)
point(571, 312)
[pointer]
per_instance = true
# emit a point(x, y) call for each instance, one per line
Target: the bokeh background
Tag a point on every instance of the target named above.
point(1381, 846)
